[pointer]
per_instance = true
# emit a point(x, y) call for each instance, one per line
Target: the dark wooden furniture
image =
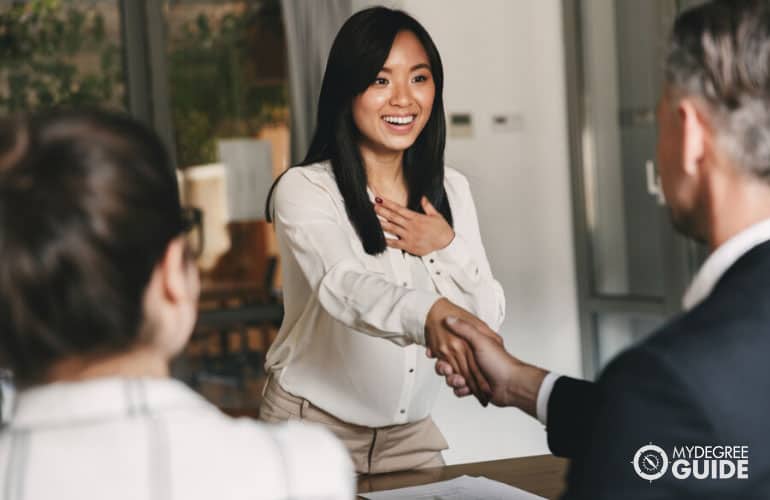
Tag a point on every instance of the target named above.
point(542, 475)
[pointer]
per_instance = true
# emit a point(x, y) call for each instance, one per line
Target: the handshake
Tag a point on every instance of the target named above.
point(472, 359)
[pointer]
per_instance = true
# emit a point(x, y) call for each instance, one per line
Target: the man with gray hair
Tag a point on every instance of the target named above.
point(682, 414)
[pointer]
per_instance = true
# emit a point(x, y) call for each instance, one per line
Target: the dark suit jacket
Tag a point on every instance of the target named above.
point(702, 379)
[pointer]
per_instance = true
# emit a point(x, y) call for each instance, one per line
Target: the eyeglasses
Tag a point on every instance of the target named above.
point(6, 395)
point(192, 227)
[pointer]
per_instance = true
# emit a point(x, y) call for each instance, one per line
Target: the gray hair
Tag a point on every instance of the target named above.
point(720, 52)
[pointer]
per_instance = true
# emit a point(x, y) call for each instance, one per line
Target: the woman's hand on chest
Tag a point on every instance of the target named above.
point(419, 234)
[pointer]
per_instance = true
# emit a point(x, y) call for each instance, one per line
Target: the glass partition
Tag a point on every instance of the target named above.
point(631, 264)
point(228, 96)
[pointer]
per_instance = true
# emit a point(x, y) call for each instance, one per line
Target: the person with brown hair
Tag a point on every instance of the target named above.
point(98, 291)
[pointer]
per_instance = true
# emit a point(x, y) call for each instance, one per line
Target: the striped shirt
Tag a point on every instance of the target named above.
point(156, 439)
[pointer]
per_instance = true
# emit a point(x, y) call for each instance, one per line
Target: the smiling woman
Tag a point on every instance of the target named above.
point(379, 241)
point(392, 112)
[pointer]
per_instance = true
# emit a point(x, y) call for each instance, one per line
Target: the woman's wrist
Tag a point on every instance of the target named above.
point(448, 239)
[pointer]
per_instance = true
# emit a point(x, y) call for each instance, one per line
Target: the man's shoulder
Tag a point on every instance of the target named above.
point(670, 356)
point(728, 325)
point(686, 384)
point(727, 329)
point(708, 360)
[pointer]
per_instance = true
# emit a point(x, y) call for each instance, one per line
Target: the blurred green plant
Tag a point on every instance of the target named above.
point(217, 86)
point(56, 53)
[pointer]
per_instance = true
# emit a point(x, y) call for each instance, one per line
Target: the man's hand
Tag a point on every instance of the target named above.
point(512, 382)
point(419, 234)
point(453, 350)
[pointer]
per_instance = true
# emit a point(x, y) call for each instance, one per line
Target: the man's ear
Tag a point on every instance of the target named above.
point(172, 271)
point(695, 133)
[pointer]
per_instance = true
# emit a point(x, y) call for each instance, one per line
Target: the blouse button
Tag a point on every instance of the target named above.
point(438, 272)
point(411, 370)
point(403, 411)
point(432, 261)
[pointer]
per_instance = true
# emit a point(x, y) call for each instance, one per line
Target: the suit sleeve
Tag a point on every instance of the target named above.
point(572, 409)
point(641, 401)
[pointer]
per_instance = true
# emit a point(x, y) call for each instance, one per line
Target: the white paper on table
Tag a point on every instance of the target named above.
point(461, 488)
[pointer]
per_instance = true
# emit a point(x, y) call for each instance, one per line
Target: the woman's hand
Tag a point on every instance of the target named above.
point(419, 234)
point(514, 383)
point(455, 351)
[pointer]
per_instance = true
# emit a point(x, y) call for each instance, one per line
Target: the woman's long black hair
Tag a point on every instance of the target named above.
point(357, 55)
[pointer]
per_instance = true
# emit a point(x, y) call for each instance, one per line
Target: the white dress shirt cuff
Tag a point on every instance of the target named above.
point(544, 395)
point(456, 253)
point(419, 305)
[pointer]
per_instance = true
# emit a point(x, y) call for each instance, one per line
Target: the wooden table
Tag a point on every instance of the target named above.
point(542, 475)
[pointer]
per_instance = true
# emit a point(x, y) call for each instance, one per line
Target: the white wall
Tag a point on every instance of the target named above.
point(506, 56)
